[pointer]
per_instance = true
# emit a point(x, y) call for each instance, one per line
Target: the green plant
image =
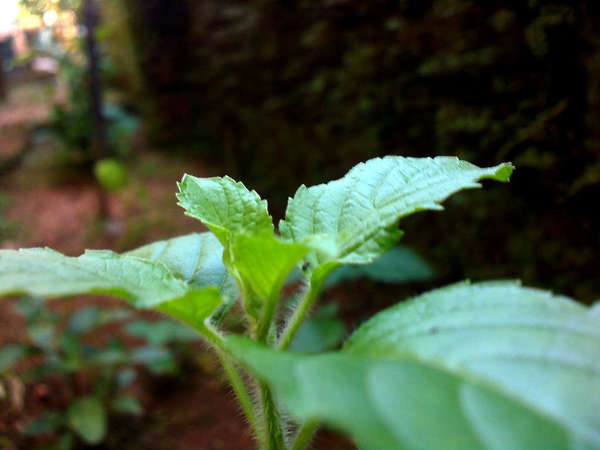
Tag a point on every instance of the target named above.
point(72, 125)
point(488, 365)
point(323, 330)
point(97, 373)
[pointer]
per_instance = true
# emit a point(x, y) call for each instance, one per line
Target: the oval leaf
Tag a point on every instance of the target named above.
point(353, 220)
point(10, 354)
point(264, 262)
point(484, 366)
point(87, 417)
point(47, 273)
point(398, 265)
point(143, 282)
point(127, 404)
point(196, 258)
point(537, 348)
point(225, 206)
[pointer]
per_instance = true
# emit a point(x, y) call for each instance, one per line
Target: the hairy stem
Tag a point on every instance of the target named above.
point(241, 392)
point(271, 420)
point(304, 435)
point(298, 317)
point(266, 321)
point(249, 301)
point(211, 334)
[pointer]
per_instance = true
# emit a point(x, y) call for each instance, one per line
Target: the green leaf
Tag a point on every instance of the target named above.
point(239, 218)
point(157, 359)
point(66, 441)
point(71, 347)
point(398, 265)
point(44, 424)
point(10, 354)
point(110, 356)
point(127, 404)
point(354, 219)
point(43, 335)
point(87, 417)
point(34, 309)
point(225, 206)
point(47, 273)
point(114, 315)
point(145, 283)
point(318, 334)
point(388, 404)
point(84, 320)
point(161, 332)
point(195, 309)
point(484, 366)
point(507, 335)
point(197, 259)
point(125, 377)
point(263, 263)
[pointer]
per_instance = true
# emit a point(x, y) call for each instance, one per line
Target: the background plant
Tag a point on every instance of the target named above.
point(71, 125)
point(98, 374)
point(488, 365)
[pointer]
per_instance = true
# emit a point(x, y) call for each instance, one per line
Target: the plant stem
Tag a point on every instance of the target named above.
point(298, 317)
point(240, 390)
point(248, 301)
point(266, 321)
point(271, 420)
point(211, 335)
point(304, 435)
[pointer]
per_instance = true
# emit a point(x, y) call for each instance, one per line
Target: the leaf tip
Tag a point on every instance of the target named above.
point(504, 172)
point(184, 180)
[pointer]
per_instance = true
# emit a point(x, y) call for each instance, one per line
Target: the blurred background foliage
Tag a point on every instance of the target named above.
point(285, 92)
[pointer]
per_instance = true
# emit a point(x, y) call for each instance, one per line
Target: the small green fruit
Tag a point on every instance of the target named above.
point(111, 174)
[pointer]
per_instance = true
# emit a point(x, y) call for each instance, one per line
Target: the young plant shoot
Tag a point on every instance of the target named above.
point(489, 365)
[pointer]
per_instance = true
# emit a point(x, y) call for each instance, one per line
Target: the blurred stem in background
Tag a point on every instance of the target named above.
point(99, 145)
point(91, 22)
point(2, 78)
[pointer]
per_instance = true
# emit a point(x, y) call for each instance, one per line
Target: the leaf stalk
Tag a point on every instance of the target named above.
point(241, 393)
point(298, 316)
point(305, 435)
point(271, 420)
